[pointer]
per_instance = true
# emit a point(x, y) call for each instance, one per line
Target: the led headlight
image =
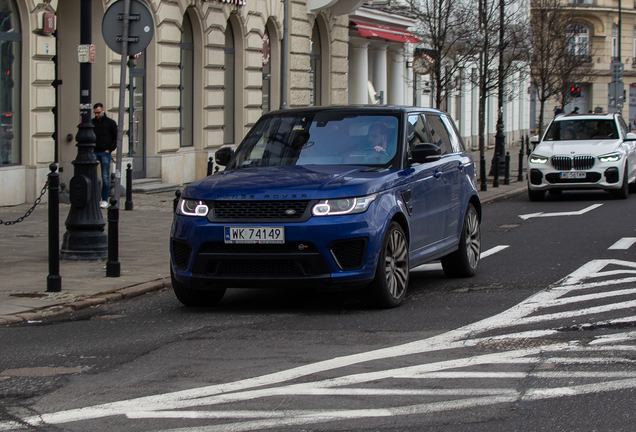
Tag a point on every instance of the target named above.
point(612, 157)
point(189, 207)
point(536, 159)
point(342, 206)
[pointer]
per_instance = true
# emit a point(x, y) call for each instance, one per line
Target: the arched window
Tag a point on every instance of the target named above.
point(229, 102)
point(315, 68)
point(186, 88)
point(578, 37)
point(10, 71)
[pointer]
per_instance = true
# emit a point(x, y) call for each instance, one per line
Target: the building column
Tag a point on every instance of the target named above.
point(397, 83)
point(380, 70)
point(359, 72)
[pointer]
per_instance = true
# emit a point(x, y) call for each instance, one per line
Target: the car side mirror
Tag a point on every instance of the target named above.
point(535, 139)
point(425, 152)
point(223, 155)
point(631, 136)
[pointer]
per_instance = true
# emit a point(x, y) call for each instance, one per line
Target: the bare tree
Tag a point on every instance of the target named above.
point(514, 46)
point(556, 61)
point(442, 26)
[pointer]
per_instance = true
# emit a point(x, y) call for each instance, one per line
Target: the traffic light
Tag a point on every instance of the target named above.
point(575, 91)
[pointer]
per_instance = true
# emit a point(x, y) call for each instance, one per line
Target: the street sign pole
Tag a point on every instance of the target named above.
point(122, 96)
point(127, 26)
point(615, 98)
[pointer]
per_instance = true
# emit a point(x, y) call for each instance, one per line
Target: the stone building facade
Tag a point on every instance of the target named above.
point(211, 70)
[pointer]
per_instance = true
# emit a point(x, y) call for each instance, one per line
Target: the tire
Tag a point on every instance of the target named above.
point(388, 288)
point(195, 298)
point(623, 192)
point(536, 195)
point(465, 260)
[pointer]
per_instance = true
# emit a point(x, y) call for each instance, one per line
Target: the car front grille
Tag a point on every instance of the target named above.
point(251, 261)
point(261, 210)
point(590, 177)
point(568, 163)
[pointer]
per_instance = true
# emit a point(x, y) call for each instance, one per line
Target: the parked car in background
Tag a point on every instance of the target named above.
point(330, 198)
point(590, 151)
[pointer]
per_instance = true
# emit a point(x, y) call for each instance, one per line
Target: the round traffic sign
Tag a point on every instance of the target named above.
point(140, 30)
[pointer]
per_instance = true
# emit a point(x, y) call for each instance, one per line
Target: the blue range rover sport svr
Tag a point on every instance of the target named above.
point(330, 198)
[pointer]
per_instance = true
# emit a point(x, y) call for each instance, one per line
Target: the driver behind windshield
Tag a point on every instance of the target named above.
point(378, 136)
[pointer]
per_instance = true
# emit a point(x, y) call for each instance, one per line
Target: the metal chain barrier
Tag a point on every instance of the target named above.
point(26, 215)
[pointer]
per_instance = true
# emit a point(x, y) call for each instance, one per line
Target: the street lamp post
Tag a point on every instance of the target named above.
point(85, 238)
point(500, 138)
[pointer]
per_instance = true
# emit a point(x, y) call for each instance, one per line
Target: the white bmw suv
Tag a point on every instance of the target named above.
point(589, 151)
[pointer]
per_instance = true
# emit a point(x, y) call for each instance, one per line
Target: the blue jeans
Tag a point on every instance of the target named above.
point(104, 160)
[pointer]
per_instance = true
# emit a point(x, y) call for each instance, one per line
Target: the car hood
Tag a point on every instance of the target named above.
point(587, 147)
point(292, 182)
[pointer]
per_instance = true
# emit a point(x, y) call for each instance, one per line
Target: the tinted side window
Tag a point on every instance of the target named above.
point(416, 131)
point(438, 133)
point(458, 144)
point(623, 126)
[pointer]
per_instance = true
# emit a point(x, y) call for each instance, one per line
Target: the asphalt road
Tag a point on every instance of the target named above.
point(542, 338)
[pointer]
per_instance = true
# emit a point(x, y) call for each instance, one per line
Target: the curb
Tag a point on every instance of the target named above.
point(98, 299)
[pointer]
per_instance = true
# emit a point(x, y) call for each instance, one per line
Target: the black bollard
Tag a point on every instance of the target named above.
point(528, 145)
point(507, 171)
point(128, 205)
point(210, 165)
point(175, 202)
point(113, 267)
point(495, 182)
point(482, 174)
point(54, 280)
point(520, 176)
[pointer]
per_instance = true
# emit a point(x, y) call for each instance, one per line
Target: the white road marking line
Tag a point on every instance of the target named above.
point(328, 416)
point(588, 297)
point(575, 313)
point(438, 266)
point(493, 251)
point(572, 213)
point(616, 337)
point(622, 244)
point(537, 394)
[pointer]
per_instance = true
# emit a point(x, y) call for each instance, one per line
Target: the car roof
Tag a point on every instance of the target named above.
point(589, 116)
point(356, 108)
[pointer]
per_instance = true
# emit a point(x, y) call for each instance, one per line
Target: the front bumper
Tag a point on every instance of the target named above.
point(606, 176)
point(325, 252)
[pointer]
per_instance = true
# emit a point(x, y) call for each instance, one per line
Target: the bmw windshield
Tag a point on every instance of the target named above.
point(569, 130)
point(323, 138)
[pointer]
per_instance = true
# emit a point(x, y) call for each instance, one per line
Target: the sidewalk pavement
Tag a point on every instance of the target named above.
point(143, 253)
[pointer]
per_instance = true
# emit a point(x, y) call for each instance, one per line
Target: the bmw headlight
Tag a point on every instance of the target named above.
point(612, 157)
point(343, 206)
point(190, 207)
point(536, 159)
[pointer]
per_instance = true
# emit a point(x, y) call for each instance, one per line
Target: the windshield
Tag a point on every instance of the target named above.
point(323, 138)
point(569, 130)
